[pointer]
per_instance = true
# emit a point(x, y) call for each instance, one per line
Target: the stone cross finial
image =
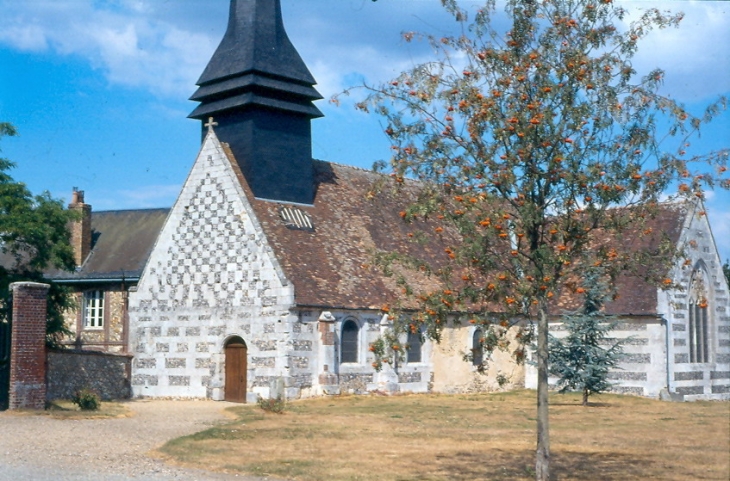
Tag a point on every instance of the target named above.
point(210, 124)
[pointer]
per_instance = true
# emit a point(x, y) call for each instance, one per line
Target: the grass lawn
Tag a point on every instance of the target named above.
point(467, 437)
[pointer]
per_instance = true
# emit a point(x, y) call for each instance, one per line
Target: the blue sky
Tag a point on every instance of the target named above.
point(98, 88)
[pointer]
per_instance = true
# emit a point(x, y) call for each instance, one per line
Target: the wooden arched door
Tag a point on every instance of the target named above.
point(236, 366)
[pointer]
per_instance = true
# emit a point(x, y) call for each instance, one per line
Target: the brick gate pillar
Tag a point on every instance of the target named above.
point(28, 346)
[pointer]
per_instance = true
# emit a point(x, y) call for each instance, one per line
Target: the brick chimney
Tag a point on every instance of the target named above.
point(81, 228)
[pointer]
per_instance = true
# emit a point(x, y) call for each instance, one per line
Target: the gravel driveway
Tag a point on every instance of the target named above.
point(40, 448)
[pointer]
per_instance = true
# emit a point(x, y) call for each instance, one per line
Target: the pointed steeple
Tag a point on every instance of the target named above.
point(260, 92)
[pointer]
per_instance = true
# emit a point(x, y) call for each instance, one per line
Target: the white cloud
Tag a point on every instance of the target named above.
point(132, 49)
point(163, 46)
point(694, 55)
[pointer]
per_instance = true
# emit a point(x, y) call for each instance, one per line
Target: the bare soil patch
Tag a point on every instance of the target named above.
point(467, 437)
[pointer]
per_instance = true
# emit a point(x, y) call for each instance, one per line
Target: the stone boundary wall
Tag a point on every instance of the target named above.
point(108, 374)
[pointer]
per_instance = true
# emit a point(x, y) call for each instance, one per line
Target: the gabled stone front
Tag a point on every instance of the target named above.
point(211, 276)
point(701, 279)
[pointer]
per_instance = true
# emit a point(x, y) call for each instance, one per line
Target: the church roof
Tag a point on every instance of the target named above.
point(122, 241)
point(635, 295)
point(331, 263)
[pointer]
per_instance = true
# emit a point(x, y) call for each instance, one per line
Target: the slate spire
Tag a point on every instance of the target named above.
point(260, 92)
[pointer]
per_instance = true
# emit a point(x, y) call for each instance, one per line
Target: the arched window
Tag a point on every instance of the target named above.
point(414, 347)
point(699, 329)
point(476, 347)
point(348, 346)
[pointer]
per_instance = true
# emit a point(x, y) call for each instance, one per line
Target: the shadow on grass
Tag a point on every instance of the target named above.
point(502, 466)
point(579, 405)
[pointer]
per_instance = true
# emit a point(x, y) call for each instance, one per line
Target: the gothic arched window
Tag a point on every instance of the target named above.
point(699, 318)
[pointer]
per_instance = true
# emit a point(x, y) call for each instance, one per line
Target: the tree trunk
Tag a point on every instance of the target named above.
point(542, 465)
point(585, 397)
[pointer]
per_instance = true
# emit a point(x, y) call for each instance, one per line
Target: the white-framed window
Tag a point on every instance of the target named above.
point(698, 331)
point(699, 320)
point(94, 309)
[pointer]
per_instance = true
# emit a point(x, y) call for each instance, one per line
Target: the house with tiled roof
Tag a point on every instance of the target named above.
point(257, 282)
point(111, 249)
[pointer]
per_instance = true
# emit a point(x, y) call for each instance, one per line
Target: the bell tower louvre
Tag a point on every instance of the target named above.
point(260, 93)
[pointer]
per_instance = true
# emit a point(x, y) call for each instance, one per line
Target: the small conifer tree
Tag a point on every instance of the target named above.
point(583, 358)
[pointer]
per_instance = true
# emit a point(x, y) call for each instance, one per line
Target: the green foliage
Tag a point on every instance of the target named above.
point(273, 405)
point(86, 400)
point(34, 236)
point(584, 357)
point(726, 270)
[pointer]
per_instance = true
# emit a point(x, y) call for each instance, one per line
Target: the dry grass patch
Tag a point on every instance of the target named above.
point(467, 437)
point(64, 409)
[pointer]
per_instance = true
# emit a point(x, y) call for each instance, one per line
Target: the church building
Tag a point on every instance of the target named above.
point(258, 281)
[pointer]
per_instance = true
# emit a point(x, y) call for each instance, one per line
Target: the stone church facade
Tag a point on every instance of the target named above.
point(215, 276)
point(212, 276)
point(258, 281)
point(677, 341)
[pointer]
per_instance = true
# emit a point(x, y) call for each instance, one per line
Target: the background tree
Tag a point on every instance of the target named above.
point(726, 270)
point(540, 153)
point(34, 236)
point(582, 359)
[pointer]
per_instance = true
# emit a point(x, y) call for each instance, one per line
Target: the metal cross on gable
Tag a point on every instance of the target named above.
point(210, 124)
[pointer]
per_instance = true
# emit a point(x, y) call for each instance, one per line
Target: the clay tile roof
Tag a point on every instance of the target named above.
point(635, 295)
point(331, 264)
point(122, 241)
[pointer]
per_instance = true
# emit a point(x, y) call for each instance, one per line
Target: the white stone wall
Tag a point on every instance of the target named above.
point(642, 370)
point(657, 354)
point(211, 276)
point(361, 377)
point(698, 380)
point(442, 367)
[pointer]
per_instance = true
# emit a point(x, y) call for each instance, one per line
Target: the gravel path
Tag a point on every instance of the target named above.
point(41, 448)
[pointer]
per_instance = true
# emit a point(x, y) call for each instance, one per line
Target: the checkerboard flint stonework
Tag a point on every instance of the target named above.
point(211, 276)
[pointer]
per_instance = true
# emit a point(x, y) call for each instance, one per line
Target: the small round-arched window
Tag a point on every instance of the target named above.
point(476, 347)
point(349, 341)
point(414, 347)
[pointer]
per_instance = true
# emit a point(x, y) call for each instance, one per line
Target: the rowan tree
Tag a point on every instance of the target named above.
point(34, 236)
point(539, 151)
